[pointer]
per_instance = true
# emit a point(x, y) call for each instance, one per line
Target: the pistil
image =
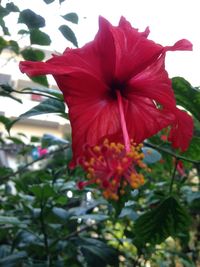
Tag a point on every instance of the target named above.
point(123, 122)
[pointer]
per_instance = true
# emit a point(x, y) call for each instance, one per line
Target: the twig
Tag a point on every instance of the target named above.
point(173, 176)
point(162, 149)
point(34, 93)
point(73, 234)
point(43, 229)
point(32, 162)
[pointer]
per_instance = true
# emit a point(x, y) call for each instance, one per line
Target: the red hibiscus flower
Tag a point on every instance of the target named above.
point(116, 87)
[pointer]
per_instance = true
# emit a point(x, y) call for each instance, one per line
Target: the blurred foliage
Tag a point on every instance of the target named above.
point(47, 221)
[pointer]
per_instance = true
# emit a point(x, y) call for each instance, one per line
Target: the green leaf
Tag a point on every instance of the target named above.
point(11, 7)
point(42, 191)
point(3, 12)
point(33, 54)
point(169, 218)
point(13, 259)
point(15, 140)
point(72, 17)
point(6, 90)
point(23, 32)
point(42, 79)
point(61, 213)
point(187, 96)
point(31, 19)
point(39, 37)
point(4, 120)
point(193, 151)
point(4, 28)
point(128, 213)
point(97, 253)
point(95, 217)
point(48, 1)
point(46, 91)
point(9, 220)
point(45, 107)
point(3, 44)
point(13, 45)
point(5, 171)
point(150, 155)
point(49, 139)
point(68, 34)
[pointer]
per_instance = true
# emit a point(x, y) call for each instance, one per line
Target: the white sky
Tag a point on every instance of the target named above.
point(169, 21)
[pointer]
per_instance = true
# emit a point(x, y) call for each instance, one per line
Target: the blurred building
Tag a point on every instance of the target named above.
point(33, 126)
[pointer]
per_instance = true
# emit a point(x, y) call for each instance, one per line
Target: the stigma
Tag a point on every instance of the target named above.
point(112, 168)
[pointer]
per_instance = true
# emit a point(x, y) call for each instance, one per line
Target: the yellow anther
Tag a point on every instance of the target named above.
point(125, 183)
point(113, 182)
point(106, 194)
point(114, 196)
point(134, 185)
point(86, 164)
point(98, 181)
point(92, 161)
point(119, 169)
point(112, 145)
point(91, 170)
point(142, 164)
point(106, 142)
point(96, 148)
point(100, 158)
point(122, 192)
point(124, 160)
point(142, 155)
point(120, 146)
point(89, 176)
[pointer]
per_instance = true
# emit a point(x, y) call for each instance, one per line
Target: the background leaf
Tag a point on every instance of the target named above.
point(11, 7)
point(33, 54)
point(39, 37)
point(48, 1)
point(45, 107)
point(42, 79)
point(6, 91)
point(72, 17)
point(68, 34)
point(31, 19)
point(169, 218)
point(46, 91)
point(187, 96)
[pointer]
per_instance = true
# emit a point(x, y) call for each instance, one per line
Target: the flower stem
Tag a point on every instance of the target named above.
point(123, 122)
point(173, 175)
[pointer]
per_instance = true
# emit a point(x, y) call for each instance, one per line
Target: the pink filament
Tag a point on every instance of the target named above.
point(123, 122)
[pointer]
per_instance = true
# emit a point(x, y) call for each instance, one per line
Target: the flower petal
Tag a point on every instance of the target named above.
point(144, 119)
point(134, 52)
point(153, 83)
point(93, 114)
point(182, 130)
point(181, 45)
point(90, 58)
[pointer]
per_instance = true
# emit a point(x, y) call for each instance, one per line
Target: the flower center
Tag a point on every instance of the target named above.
point(112, 168)
point(117, 89)
point(117, 86)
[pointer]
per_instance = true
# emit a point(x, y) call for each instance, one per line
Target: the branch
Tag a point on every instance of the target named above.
point(43, 230)
point(173, 176)
point(73, 234)
point(32, 162)
point(34, 93)
point(162, 149)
